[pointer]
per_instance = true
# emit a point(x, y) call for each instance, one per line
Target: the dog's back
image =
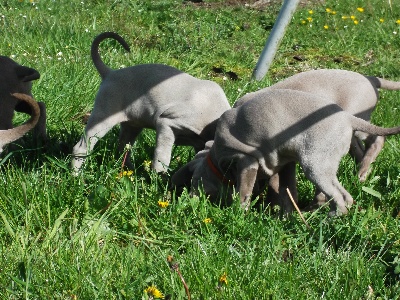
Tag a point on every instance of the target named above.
point(352, 91)
point(281, 120)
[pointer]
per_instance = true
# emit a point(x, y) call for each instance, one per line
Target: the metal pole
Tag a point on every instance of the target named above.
point(274, 39)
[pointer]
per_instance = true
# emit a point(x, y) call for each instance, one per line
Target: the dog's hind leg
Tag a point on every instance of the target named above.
point(373, 145)
point(323, 175)
point(332, 189)
point(128, 135)
point(357, 149)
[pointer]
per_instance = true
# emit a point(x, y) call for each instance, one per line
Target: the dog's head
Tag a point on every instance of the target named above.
point(16, 78)
point(201, 174)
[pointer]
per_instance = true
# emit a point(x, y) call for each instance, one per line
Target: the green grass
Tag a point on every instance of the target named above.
point(100, 237)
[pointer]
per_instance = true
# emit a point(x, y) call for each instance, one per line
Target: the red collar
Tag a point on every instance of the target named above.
point(217, 172)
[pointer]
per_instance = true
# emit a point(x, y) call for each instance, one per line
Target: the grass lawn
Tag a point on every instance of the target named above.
point(106, 236)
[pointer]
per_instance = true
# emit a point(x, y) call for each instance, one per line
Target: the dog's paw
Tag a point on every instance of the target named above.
point(363, 174)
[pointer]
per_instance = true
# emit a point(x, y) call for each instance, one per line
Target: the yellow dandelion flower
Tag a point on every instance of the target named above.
point(124, 174)
point(353, 17)
point(360, 9)
point(326, 26)
point(310, 11)
point(355, 22)
point(163, 204)
point(398, 22)
point(333, 12)
point(309, 19)
point(128, 173)
point(207, 220)
point(153, 291)
point(223, 279)
point(381, 20)
point(328, 10)
point(345, 17)
point(303, 22)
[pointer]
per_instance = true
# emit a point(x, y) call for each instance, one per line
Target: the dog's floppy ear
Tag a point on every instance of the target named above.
point(183, 177)
point(26, 74)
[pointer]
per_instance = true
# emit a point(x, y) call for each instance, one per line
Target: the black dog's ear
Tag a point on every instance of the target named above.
point(183, 177)
point(26, 74)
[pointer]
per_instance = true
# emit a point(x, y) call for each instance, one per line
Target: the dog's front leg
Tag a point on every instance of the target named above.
point(277, 193)
point(247, 168)
point(96, 128)
point(165, 139)
point(127, 135)
point(79, 153)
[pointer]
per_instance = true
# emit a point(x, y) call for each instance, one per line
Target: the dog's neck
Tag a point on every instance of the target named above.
point(217, 172)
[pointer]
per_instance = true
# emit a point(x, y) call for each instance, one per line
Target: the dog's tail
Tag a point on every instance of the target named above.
point(98, 63)
point(364, 126)
point(381, 83)
point(10, 135)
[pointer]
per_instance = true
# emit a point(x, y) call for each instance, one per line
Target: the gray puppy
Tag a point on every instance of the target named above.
point(15, 78)
point(182, 109)
point(274, 128)
point(354, 93)
point(12, 134)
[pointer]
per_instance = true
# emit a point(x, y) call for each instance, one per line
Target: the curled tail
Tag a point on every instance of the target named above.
point(381, 83)
point(10, 135)
point(364, 126)
point(98, 63)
